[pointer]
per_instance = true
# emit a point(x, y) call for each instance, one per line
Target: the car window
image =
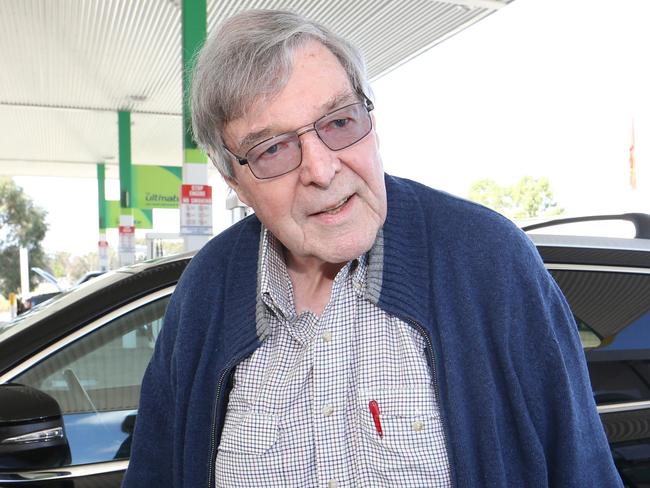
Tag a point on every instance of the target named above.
point(613, 314)
point(620, 376)
point(612, 310)
point(96, 381)
point(620, 368)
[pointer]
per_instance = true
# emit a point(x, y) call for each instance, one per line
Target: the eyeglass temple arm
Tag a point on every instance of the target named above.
point(367, 102)
point(242, 161)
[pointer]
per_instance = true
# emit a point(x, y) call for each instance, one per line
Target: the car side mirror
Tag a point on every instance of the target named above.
point(32, 435)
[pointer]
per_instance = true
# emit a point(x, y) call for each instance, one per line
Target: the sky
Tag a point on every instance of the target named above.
point(542, 88)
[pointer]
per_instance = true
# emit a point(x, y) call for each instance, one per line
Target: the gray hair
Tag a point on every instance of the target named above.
point(248, 59)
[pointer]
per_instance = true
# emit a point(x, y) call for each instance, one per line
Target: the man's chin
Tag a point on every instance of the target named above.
point(342, 252)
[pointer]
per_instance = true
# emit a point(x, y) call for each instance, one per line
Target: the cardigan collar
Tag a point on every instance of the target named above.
point(400, 268)
point(398, 274)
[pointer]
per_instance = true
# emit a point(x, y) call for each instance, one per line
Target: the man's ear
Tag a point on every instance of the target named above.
point(237, 188)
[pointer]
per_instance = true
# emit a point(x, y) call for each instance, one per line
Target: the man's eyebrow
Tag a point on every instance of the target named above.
point(331, 104)
point(252, 137)
point(339, 100)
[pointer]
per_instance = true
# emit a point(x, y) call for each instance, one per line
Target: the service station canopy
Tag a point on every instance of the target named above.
point(68, 66)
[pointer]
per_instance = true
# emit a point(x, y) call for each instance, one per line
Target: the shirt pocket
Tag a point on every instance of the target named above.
point(248, 454)
point(413, 443)
point(249, 433)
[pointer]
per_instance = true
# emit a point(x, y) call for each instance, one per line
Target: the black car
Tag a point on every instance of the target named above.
point(70, 374)
point(70, 370)
point(607, 283)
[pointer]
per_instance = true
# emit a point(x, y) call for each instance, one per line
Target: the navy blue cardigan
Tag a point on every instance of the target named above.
point(506, 357)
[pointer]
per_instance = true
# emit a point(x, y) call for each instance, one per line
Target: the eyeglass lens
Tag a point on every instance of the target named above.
point(283, 153)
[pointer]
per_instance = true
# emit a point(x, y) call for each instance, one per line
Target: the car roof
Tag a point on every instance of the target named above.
point(640, 222)
point(593, 250)
point(74, 308)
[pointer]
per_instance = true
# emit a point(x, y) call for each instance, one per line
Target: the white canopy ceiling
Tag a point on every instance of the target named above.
point(69, 65)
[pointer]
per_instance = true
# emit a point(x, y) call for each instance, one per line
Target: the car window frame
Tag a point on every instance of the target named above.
point(63, 342)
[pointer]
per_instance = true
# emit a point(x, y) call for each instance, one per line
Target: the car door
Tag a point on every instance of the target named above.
point(94, 374)
point(611, 305)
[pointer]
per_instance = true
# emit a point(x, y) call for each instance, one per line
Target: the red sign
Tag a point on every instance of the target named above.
point(196, 209)
point(196, 194)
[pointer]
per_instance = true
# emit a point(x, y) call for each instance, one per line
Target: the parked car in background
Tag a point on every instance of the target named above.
point(25, 304)
point(80, 359)
point(607, 283)
point(86, 350)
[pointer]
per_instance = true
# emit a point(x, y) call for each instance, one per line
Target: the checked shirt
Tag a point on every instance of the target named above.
point(298, 414)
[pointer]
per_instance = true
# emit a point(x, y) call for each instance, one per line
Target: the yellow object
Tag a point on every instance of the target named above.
point(13, 305)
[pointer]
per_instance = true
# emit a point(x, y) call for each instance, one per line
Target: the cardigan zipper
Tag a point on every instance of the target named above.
point(215, 416)
point(436, 388)
point(216, 412)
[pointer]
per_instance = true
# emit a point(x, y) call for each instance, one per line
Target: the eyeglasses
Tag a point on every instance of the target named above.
point(282, 154)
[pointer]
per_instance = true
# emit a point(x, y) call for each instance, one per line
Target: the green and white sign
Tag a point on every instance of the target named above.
point(156, 186)
point(142, 218)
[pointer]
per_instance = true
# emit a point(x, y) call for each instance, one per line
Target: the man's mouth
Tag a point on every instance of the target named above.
point(336, 208)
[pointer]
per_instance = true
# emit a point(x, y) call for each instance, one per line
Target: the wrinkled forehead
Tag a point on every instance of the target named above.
point(272, 79)
point(314, 84)
point(268, 85)
point(338, 98)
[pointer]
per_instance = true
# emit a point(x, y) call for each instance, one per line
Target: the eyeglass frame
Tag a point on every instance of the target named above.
point(368, 105)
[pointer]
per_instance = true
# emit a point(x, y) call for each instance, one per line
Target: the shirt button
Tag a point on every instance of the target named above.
point(332, 484)
point(328, 410)
point(418, 426)
point(327, 336)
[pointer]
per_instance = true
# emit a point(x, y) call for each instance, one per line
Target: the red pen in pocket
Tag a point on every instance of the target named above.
point(374, 411)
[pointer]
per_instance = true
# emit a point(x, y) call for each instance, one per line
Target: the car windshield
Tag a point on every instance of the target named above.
point(58, 302)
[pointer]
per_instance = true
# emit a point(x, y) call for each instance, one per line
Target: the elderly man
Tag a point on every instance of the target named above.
point(359, 330)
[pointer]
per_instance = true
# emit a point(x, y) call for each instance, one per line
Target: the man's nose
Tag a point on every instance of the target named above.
point(319, 163)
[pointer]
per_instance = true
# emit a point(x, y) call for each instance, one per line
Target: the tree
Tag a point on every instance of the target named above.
point(488, 193)
point(529, 197)
point(70, 268)
point(60, 264)
point(22, 224)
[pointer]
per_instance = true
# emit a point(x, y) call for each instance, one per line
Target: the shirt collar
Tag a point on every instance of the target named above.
point(276, 290)
point(275, 286)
